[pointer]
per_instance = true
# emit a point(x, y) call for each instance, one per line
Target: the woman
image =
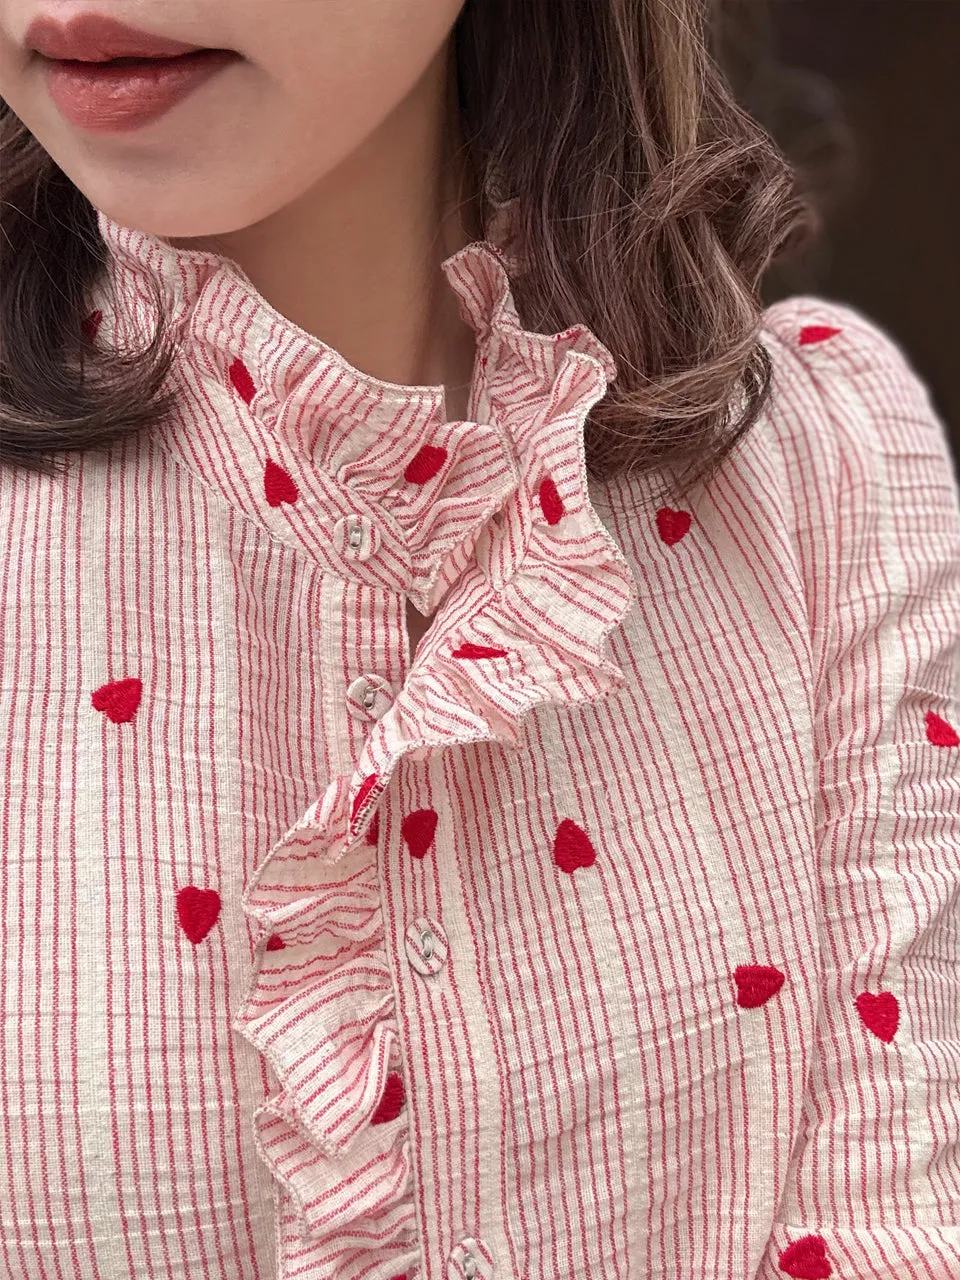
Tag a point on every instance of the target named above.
point(481, 775)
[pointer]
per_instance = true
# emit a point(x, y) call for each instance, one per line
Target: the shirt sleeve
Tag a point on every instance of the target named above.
point(873, 1185)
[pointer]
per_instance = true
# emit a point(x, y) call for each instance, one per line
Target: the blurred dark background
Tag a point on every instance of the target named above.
point(864, 97)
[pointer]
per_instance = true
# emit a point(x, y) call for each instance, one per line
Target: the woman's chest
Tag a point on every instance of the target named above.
point(604, 901)
point(585, 952)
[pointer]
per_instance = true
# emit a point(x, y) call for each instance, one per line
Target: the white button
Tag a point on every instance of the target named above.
point(355, 537)
point(426, 945)
point(368, 697)
point(470, 1259)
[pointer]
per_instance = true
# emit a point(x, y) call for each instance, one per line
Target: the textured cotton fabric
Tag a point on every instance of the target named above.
point(614, 936)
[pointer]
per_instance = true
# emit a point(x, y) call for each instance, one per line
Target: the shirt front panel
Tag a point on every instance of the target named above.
point(577, 1031)
point(521, 959)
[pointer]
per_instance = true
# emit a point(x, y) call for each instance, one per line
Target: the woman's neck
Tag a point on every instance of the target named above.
point(356, 259)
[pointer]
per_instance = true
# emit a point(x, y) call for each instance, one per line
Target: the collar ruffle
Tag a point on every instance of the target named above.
point(529, 584)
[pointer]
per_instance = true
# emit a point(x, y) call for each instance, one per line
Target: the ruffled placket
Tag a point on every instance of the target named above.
point(502, 540)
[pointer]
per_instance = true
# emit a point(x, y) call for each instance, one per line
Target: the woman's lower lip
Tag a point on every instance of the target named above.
point(113, 97)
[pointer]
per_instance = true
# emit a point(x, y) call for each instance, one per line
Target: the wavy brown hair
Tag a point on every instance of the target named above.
point(649, 205)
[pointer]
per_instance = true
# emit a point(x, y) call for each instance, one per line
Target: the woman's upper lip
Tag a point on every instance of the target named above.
point(92, 37)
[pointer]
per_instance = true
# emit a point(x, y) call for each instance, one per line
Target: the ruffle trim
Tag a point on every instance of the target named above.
point(524, 623)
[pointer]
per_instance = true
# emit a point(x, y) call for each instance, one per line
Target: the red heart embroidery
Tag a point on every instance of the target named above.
point(366, 786)
point(275, 943)
point(373, 831)
point(119, 699)
point(672, 525)
point(572, 847)
point(242, 381)
point(418, 829)
point(806, 1259)
point(198, 910)
point(470, 650)
point(756, 983)
point(940, 733)
point(879, 1013)
point(91, 324)
point(278, 484)
point(550, 501)
point(816, 333)
point(425, 464)
point(391, 1103)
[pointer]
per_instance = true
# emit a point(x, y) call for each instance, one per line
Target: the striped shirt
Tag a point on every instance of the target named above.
point(613, 936)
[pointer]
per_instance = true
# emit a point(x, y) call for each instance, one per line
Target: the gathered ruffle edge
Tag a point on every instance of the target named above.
point(525, 623)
